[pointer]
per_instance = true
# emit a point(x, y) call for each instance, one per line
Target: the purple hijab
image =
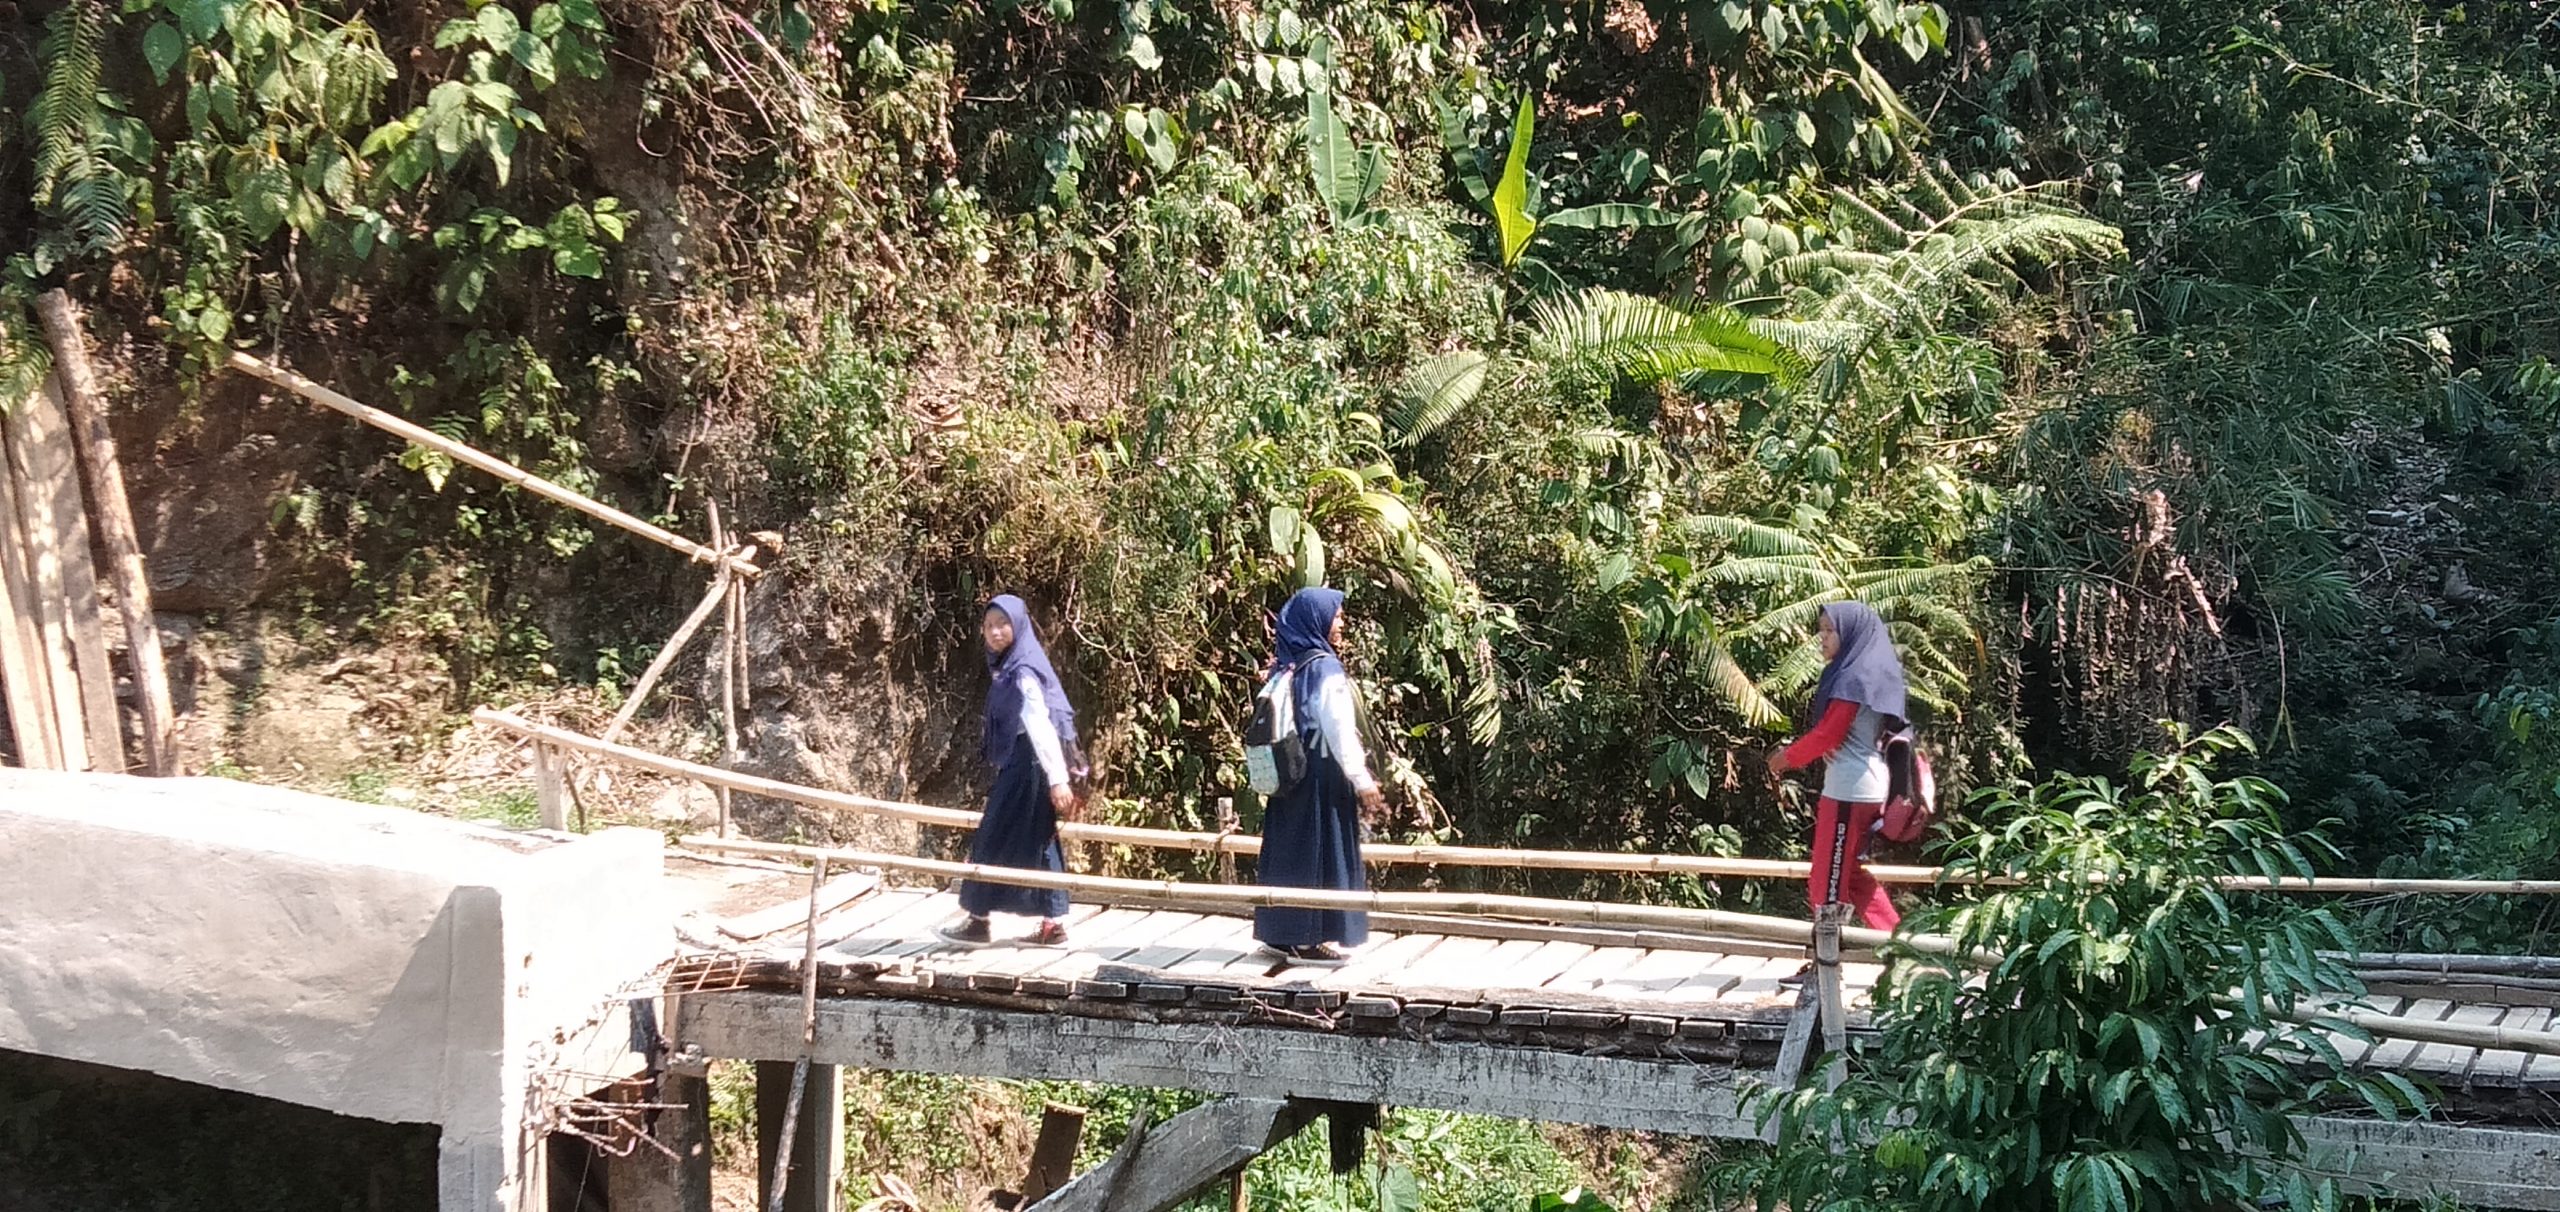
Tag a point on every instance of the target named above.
point(1004, 699)
point(1867, 671)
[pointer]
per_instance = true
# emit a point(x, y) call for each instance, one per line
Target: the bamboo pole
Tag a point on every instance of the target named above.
point(1117, 890)
point(111, 512)
point(1169, 839)
point(491, 464)
point(1450, 856)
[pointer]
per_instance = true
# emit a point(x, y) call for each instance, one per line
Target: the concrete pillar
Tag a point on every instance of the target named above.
point(816, 1181)
point(648, 1181)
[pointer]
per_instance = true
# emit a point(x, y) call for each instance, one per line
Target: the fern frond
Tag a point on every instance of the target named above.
point(1436, 391)
point(1749, 537)
point(1736, 687)
point(1649, 339)
point(66, 110)
point(1798, 572)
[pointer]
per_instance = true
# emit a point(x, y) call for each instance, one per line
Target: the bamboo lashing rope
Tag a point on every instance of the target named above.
point(1451, 856)
point(509, 472)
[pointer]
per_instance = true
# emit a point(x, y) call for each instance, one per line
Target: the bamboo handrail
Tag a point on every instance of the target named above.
point(1175, 839)
point(1450, 856)
point(1121, 890)
point(509, 472)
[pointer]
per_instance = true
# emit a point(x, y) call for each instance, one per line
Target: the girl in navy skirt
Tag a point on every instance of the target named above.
point(1029, 737)
point(1311, 832)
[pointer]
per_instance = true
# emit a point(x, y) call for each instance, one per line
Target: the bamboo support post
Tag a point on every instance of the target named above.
point(111, 512)
point(1832, 1002)
point(781, 1167)
point(549, 800)
point(1227, 827)
point(503, 470)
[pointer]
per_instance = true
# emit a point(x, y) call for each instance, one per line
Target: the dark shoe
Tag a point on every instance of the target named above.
point(1801, 974)
point(1051, 933)
point(1316, 955)
point(968, 932)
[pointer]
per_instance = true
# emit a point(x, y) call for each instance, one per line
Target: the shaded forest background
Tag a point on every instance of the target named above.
point(2163, 361)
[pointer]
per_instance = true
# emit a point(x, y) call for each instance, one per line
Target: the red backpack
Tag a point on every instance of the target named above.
point(1912, 799)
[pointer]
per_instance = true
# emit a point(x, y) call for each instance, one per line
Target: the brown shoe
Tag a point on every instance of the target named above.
point(1052, 933)
point(1316, 955)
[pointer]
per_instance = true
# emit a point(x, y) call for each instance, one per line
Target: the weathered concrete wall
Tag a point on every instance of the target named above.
point(363, 960)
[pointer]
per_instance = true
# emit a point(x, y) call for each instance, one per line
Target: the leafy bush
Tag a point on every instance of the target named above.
point(2139, 1044)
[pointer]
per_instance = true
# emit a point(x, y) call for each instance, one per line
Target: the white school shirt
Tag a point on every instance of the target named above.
point(1338, 722)
point(1036, 725)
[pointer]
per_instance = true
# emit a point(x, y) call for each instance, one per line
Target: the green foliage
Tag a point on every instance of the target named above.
point(89, 153)
point(1347, 175)
point(2136, 1044)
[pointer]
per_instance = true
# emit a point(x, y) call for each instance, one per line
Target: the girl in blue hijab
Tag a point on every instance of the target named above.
point(1029, 738)
point(1311, 832)
point(1860, 701)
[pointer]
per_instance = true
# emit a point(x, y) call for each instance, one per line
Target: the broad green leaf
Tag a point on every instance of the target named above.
point(578, 259)
point(1142, 52)
point(496, 25)
point(1511, 194)
point(1310, 557)
point(263, 199)
point(162, 47)
point(1329, 154)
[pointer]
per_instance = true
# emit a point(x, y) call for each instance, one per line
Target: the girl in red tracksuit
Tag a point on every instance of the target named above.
point(1858, 703)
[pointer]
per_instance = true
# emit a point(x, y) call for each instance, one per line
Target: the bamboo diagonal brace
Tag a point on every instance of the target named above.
point(506, 471)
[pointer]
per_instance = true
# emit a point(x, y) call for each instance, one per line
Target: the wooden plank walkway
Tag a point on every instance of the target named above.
point(1649, 1038)
point(1697, 1006)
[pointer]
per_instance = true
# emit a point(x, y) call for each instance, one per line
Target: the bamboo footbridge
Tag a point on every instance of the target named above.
point(1629, 1016)
point(1632, 1016)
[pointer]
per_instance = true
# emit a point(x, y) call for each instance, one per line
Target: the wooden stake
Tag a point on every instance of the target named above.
point(113, 515)
point(491, 464)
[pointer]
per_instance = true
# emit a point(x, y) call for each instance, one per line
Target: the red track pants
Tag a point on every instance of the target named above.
point(1857, 887)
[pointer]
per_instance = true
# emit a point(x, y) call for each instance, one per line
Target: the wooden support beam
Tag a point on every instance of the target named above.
point(1181, 1157)
point(57, 525)
point(2482, 1166)
point(510, 473)
point(921, 1037)
point(111, 511)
